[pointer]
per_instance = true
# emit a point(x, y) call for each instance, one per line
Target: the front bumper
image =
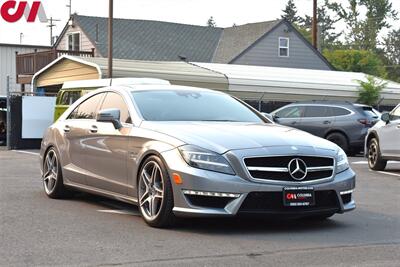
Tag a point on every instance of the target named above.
point(207, 194)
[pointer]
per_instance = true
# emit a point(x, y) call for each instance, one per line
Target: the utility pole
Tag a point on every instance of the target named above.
point(8, 125)
point(51, 25)
point(70, 7)
point(314, 25)
point(110, 37)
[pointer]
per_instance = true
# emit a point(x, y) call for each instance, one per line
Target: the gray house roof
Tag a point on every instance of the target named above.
point(236, 39)
point(152, 40)
point(166, 41)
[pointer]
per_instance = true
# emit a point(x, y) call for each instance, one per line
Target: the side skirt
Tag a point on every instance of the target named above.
point(101, 192)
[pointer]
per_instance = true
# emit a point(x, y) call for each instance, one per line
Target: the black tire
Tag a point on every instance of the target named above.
point(57, 190)
point(165, 216)
point(339, 139)
point(375, 160)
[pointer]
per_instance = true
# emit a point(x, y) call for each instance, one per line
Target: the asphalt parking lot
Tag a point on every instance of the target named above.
point(91, 231)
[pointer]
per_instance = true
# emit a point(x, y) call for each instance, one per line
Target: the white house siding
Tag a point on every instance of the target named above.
point(8, 67)
point(265, 52)
point(85, 45)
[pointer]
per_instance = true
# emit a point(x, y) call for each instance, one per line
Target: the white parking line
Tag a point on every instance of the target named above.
point(26, 152)
point(123, 212)
point(389, 173)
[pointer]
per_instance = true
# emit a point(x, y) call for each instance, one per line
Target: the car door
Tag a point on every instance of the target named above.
point(316, 120)
point(389, 135)
point(75, 133)
point(289, 116)
point(107, 153)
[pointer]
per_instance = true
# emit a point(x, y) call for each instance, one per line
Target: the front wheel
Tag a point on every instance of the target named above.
point(155, 193)
point(375, 160)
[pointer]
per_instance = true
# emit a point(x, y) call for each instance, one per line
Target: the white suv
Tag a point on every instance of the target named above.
point(383, 140)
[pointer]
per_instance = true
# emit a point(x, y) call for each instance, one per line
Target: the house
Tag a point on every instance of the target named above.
point(8, 63)
point(271, 43)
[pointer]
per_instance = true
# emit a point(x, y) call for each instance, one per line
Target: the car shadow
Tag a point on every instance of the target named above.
point(221, 225)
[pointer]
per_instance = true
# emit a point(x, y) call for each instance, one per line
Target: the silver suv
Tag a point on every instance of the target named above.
point(383, 140)
point(343, 123)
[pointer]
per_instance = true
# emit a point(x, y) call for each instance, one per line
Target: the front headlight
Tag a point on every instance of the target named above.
point(342, 162)
point(205, 159)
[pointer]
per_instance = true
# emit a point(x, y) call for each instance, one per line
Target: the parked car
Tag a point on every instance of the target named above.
point(383, 140)
point(184, 151)
point(343, 123)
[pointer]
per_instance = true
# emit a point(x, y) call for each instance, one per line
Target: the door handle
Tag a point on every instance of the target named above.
point(67, 129)
point(93, 129)
point(294, 122)
point(327, 122)
point(398, 126)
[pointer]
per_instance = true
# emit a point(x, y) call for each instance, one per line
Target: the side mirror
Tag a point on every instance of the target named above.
point(110, 115)
point(268, 116)
point(386, 117)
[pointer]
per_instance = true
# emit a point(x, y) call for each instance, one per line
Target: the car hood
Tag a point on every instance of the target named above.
point(222, 136)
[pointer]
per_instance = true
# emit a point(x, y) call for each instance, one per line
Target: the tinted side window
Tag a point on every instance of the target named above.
point(395, 114)
point(316, 111)
point(291, 112)
point(69, 97)
point(336, 111)
point(114, 100)
point(87, 109)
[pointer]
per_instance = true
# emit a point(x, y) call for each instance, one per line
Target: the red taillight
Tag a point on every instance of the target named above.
point(366, 122)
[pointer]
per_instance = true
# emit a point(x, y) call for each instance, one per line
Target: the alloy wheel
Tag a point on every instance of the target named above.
point(151, 190)
point(373, 153)
point(50, 172)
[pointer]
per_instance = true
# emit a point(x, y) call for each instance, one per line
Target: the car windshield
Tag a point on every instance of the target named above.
point(190, 105)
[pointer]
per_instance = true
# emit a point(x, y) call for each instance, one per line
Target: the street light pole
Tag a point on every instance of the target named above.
point(110, 38)
point(314, 25)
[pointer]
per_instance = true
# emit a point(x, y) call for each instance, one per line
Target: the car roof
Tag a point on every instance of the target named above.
point(325, 103)
point(157, 87)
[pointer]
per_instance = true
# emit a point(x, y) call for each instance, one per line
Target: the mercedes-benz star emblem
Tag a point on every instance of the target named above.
point(297, 169)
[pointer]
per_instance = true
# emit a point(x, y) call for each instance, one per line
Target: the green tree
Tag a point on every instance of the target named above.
point(370, 90)
point(290, 12)
point(356, 61)
point(363, 29)
point(328, 36)
point(211, 22)
point(391, 54)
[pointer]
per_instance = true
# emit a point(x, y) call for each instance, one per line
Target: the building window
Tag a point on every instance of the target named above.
point(74, 41)
point(283, 47)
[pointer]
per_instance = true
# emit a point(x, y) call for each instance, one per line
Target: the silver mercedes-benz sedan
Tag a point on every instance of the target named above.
point(181, 151)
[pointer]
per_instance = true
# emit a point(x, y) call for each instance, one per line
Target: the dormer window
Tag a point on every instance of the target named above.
point(283, 47)
point(74, 41)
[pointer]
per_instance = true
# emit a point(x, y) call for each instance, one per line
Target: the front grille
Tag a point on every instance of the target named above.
point(276, 168)
point(272, 202)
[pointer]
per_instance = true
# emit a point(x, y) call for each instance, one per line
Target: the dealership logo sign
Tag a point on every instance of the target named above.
point(12, 11)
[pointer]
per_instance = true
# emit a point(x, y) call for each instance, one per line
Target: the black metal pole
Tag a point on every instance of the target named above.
point(8, 126)
point(110, 39)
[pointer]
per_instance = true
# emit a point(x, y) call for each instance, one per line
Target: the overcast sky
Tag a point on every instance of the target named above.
point(225, 12)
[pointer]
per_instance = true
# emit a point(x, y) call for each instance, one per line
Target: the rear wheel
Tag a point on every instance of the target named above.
point(155, 193)
point(339, 139)
point(52, 176)
point(375, 161)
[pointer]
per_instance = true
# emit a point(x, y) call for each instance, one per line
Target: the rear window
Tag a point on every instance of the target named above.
point(316, 111)
point(370, 112)
point(337, 111)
